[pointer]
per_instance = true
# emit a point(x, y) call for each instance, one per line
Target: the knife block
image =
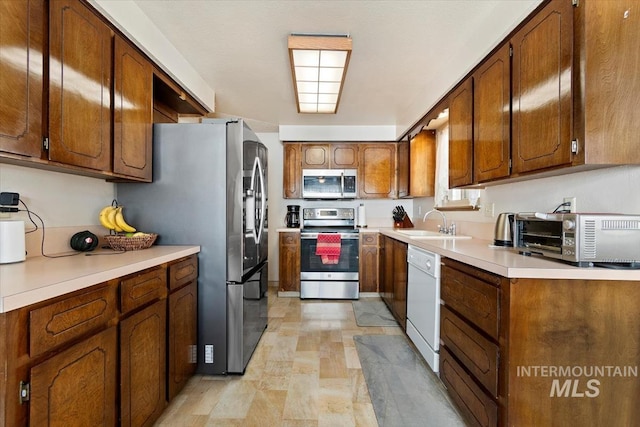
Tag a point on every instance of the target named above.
point(405, 223)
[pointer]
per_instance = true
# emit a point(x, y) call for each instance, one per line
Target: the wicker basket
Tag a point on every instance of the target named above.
point(119, 242)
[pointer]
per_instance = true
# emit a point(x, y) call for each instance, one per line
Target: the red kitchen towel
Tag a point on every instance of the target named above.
point(328, 247)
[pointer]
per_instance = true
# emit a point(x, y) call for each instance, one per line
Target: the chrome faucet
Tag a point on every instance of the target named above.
point(441, 228)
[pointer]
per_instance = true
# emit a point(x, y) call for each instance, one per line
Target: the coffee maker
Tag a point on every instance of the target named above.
point(292, 219)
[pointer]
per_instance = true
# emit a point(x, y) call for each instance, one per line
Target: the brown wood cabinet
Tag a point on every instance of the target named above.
point(422, 164)
point(542, 93)
point(316, 156)
point(77, 387)
point(133, 112)
point(491, 117)
point(461, 135)
point(64, 351)
point(606, 116)
point(404, 168)
point(505, 342)
point(21, 85)
point(343, 156)
point(182, 324)
point(377, 171)
point(94, 114)
point(368, 260)
point(143, 365)
point(80, 64)
point(74, 352)
point(292, 170)
point(289, 261)
point(393, 277)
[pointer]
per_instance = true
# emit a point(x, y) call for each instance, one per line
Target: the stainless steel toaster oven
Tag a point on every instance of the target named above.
point(581, 239)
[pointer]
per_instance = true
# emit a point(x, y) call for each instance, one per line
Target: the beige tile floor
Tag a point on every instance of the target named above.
point(304, 372)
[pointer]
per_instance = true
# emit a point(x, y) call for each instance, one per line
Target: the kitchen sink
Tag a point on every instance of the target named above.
point(430, 235)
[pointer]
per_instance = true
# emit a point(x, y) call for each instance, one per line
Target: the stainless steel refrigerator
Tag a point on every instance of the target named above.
point(210, 189)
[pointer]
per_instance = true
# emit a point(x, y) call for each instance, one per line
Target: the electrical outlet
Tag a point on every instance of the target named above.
point(572, 207)
point(489, 210)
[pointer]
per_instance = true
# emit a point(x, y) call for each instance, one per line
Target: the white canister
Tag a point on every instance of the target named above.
point(361, 220)
point(12, 242)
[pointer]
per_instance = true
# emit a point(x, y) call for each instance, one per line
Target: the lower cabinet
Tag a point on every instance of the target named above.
point(538, 352)
point(77, 387)
point(469, 333)
point(70, 360)
point(369, 254)
point(143, 366)
point(393, 277)
point(289, 262)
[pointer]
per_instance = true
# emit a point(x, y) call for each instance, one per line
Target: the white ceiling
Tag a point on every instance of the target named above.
point(406, 54)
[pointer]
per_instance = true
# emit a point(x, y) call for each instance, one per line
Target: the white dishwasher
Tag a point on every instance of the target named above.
point(423, 303)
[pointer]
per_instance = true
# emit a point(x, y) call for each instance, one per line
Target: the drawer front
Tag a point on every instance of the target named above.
point(289, 238)
point(475, 352)
point(476, 406)
point(142, 288)
point(64, 320)
point(183, 272)
point(472, 298)
point(369, 239)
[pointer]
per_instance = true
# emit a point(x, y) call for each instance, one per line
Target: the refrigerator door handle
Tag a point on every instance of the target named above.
point(251, 202)
point(250, 209)
point(263, 207)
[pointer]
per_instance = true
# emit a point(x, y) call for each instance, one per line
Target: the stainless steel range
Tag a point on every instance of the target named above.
point(329, 261)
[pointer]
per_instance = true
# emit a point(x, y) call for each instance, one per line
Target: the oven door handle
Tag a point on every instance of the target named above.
point(344, 236)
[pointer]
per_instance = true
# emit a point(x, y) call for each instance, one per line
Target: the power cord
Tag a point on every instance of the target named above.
point(556, 210)
point(30, 212)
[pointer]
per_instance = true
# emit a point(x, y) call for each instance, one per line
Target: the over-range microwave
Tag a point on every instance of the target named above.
point(581, 239)
point(329, 183)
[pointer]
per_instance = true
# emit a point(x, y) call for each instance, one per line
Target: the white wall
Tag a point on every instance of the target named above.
point(60, 199)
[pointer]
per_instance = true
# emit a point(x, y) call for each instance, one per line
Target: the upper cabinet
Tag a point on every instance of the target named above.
point(343, 156)
point(607, 119)
point(292, 171)
point(541, 99)
point(133, 112)
point(491, 117)
point(422, 164)
point(377, 171)
point(80, 51)
point(461, 135)
point(21, 101)
point(404, 169)
point(555, 97)
point(377, 163)
point(94, 114)
point(329, 156)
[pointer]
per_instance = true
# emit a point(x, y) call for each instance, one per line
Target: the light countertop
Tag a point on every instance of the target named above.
point(40, 278)
point(507, 262)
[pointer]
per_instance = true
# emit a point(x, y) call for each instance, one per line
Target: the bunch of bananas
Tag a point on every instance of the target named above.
point(111, 217)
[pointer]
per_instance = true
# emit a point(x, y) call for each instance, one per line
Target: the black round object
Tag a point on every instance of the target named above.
point(84, 241)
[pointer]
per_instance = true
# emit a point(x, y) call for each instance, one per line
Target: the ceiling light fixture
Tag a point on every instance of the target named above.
point(318, 66)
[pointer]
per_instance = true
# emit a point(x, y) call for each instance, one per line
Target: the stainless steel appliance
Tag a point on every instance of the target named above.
point(292, 218)
point(503, 232)
point(319, 279)
point(582, 239)
point(210, 189)
point(329, 183)
point(423, 303)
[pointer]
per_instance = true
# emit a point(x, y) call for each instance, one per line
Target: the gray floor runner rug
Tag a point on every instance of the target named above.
point(404, 391)
point(372, 312)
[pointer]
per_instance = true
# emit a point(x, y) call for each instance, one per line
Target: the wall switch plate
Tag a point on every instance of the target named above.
point(572, 207)
point(489, 210)
point(208, 353)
